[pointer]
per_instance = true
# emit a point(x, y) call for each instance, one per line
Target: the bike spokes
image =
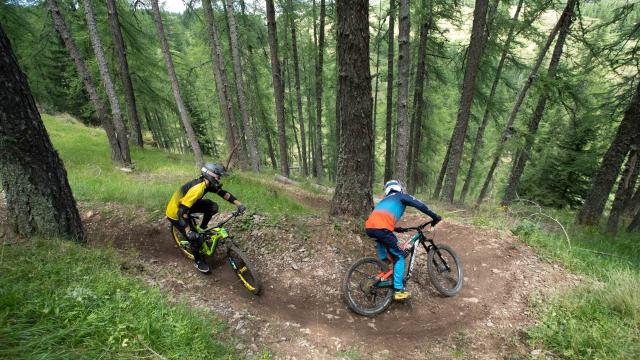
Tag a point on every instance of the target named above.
point(445, 270)
point(244, 270)
point(363, 290)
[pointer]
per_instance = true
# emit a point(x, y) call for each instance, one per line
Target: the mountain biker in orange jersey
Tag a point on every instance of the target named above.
point(381, 224)
point(189, 199)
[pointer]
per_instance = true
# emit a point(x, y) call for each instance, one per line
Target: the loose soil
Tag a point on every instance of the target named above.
point(301, 315)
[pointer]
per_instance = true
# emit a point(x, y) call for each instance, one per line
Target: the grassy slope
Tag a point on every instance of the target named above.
point(60, 300)
point(157, 174)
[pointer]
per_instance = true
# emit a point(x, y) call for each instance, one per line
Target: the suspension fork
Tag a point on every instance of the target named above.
point(433, 246)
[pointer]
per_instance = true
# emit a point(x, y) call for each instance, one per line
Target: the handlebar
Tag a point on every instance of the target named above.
point(419, 227)
point(220, 224)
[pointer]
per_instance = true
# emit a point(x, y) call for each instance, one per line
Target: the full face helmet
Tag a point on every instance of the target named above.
point(212, 172)
point(392, 185)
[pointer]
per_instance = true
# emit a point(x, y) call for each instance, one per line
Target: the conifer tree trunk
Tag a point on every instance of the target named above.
point(319, 64)
point(388, 165)
point(296, 70)
point(226, 105)
point(507, 133)
point(252, 146)
point(116, 115)
point(38, 196)
point(602, 183)
point(184, 116)
point(375, 89)
point(476, 46)
point(625, 190)
point(477, 146)
point(404, 59)
point(135, 132)
point(117, 154)
point(635, 223)
point(353, 195)
point(443, 169)
point(521, 161)
point(418, 97)
point(277, 87)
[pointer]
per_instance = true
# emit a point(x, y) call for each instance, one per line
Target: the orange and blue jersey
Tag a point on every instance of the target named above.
point(390, 209)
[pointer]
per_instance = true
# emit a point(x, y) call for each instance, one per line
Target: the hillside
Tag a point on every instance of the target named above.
point(302, 254)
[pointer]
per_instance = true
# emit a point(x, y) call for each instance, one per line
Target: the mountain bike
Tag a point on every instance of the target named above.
point(367, 286)
point(218, 236)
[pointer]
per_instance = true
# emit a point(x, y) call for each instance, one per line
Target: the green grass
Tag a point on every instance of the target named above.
point(60, 300)
point(157, 174)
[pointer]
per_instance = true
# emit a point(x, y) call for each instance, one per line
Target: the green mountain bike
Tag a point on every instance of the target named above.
point(218, 236)
point(367, 287)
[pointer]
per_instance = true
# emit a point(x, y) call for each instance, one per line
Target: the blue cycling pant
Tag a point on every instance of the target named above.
point(386, 242)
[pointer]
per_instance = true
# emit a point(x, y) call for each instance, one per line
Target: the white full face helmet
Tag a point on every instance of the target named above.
point(392, 185)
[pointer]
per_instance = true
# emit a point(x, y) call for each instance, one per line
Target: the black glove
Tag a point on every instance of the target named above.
point(436, 220)
point(241, 209)
point(400, 230)
point(194, 236)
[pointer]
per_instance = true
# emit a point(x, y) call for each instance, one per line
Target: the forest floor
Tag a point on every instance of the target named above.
point(301, 315)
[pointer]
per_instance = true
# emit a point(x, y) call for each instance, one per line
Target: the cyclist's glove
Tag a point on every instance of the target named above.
point(400, 230)
point(436, 220)
point(241, 209)
point(194, 236)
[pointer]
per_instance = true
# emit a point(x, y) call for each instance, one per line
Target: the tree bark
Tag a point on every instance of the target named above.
point(625, 191)
point(388, 166)
point(319, 64)
point(375, 89)
point(38, 196)
point(184, 116)
point(353, 194)
point(252, 146)
point(477, 146)
point(635, 223)
point(116, 115)
point(296, 70)
point(61, 27)
point(277, 87)
point(404, 59)
point(476, 46)
point(521, 161)
point(135, 132)
point(418, 97)
point(628, 130)
point(226, 105)
point(443, 170)
point(506, 134)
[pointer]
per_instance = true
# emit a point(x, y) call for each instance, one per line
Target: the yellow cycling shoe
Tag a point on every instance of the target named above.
point(401, 295)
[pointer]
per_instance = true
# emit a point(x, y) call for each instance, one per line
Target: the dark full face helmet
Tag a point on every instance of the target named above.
point(212, 172)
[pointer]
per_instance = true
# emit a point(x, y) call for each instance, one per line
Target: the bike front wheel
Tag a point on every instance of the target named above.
point(244, 270)
point(362, 290)
point(445, 270)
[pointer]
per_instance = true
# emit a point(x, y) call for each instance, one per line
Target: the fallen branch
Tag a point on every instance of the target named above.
point(150, 349)
point(541, 213)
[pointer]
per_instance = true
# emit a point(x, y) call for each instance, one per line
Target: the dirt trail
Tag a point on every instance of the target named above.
point(301, 314)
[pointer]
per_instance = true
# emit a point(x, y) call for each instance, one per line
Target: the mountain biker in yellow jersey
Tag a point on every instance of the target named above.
point(381, 224)
point(189, 199)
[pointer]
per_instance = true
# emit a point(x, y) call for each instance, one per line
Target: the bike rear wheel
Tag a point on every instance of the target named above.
point(244, 270)
point(177, 237)
point(445, 270)
point(360, 287)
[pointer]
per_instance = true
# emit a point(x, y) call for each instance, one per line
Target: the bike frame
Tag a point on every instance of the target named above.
point(418, 239)
point(218, 232)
